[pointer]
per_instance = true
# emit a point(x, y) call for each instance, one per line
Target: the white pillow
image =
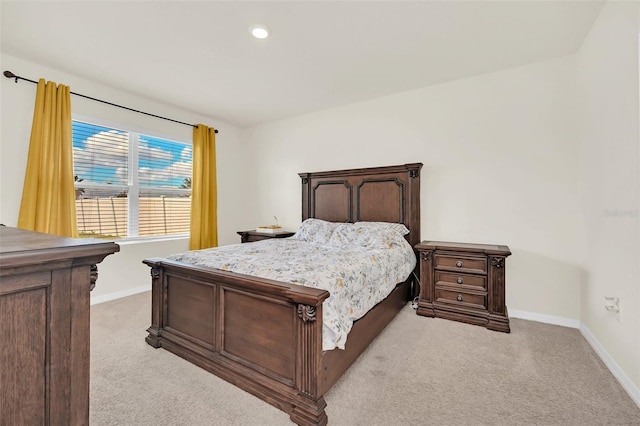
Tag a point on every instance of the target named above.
point(315, 231)
point(369, 235)
point(396, 227)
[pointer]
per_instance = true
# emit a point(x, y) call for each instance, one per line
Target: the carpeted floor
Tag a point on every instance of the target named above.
point(419, 371)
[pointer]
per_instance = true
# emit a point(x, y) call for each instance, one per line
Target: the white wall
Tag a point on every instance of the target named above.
point(500, 166)
point(608, 82)
point(123, 271)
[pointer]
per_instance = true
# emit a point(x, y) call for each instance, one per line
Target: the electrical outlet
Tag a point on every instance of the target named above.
point(612, 304)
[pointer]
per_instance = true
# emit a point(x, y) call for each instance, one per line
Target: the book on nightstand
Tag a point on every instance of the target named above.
point(270, 229)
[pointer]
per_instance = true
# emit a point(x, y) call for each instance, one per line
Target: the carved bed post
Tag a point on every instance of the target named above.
point(309, 404)
point(306, 207)
point(157, 295)
point(93, 276)
point(498, 317)
point(425, 305)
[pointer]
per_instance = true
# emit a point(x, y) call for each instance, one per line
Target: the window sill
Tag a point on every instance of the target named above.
point(144, 240)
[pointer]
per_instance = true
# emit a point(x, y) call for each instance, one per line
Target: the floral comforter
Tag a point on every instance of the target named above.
point(356, 278)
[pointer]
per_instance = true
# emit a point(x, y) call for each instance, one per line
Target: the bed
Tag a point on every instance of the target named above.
point(224, 321)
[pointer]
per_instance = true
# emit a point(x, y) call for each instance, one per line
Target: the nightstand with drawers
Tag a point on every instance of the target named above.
point(464, 282)
point(251, 236)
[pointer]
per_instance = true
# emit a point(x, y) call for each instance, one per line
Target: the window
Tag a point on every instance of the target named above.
point(129, 184)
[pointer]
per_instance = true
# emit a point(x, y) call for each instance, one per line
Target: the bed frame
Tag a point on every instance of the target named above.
point(265, 336)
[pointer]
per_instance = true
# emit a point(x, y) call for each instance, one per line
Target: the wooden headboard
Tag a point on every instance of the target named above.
point(376, 194)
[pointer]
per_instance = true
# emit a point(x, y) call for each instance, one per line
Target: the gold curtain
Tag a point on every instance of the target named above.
point(48, 195)
point(204, 196)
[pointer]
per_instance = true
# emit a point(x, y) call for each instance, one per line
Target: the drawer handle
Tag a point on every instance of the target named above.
point(459, 264)
point(459, 298)
point(460, 280)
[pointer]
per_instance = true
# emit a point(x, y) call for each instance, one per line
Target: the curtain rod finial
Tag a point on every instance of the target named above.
point(9, 74)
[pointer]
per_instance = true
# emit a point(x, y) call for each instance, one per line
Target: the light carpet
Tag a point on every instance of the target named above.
point(419, 371)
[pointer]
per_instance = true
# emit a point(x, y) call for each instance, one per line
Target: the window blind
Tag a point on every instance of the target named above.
point(130, 185)
point(164, 177)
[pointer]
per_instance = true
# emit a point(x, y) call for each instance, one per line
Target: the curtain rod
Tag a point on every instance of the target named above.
point(9, 74)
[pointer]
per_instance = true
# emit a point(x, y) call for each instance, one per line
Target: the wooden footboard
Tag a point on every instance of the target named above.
point(261, 335)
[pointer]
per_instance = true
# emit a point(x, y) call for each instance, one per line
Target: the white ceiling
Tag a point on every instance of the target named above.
point(200, 57)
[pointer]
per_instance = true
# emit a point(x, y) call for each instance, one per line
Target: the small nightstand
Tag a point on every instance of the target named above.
point(251, 236)
point(464, 282)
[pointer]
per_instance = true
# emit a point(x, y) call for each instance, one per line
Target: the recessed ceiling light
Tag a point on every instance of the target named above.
point(259, 31)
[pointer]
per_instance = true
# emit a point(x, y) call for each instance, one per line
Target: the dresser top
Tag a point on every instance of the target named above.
point(465, 247)
point(18, 246)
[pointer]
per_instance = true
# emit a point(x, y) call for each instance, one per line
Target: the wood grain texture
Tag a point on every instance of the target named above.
point(464, 282)
point(189, 309)
point(44, 324)
point(259, 333)
point(22, 357)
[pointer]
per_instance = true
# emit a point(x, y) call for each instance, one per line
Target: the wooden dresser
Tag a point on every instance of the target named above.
point(44, 324)
point(251, 236)
point(464, 282)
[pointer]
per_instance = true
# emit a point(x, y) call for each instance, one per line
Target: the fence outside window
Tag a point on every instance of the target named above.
point(107, 217)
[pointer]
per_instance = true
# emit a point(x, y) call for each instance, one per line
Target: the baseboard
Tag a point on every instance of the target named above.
point(547, 319)
point(612, 365)
point(120, 294)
